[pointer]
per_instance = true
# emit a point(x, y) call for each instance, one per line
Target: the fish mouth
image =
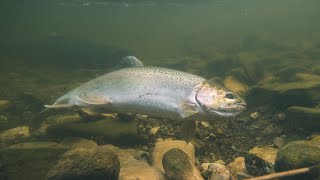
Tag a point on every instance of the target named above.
point(241, 105)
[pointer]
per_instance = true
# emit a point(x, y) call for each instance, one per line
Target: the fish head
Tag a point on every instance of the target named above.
point(215, 99)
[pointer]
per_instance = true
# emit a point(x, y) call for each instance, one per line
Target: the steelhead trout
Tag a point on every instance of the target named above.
point(155, 91)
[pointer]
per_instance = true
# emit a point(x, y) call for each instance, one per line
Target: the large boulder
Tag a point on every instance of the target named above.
point(283, 95)
point(14, 135)
point(162, 147)
point(86, 163)
point(31, 160)
point(303, 118)
point(177, 165)
point(128, 157)
point(298, 154)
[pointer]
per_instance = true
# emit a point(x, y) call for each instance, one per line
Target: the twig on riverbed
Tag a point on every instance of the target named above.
point(313, 170)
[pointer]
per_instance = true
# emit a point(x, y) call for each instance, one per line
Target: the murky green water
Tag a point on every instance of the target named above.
point(148, 29)
point(267, 51)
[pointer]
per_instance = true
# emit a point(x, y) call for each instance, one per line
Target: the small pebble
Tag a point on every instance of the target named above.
point(280, 117)
point(27, 115)
point(254, 116)
point(153, 130)
point(220, 161)
point(3, 119)
point(278, 142)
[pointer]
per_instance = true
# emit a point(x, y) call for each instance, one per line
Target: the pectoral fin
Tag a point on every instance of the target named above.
point(188, 109)
point(93, 98)
point(188, 130)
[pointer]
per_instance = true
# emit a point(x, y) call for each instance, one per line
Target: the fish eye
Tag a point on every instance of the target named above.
point(230, 95)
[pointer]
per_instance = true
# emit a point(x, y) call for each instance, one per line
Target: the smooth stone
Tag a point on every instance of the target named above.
point(4, 105)
point(205, 124)
point(141, 173)
point(13, 135)
point(161, 147)
point(31, 160)
point(177, 166)
point(154, 130)
point(205, 166)
point(298, 154)
point(127, 157)
point(304, 118)
point(280, 117)
point(254, 115)
point(278, 142)
point(86, 163)
point(219, 172)
point(220, 161)
point(76, 142)
point(237, 165)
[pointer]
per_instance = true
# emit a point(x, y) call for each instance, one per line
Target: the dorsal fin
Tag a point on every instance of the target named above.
point(216, 80)
point(129, 61)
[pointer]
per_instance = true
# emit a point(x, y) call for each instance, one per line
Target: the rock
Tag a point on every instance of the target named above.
point(153, 130)
point(105, 131)
point(127, 157)
point(177, 165)
point(304, 118)
point(286, 74)
point(238, 165)
point(31, 160)
point(280, 117)
point(3, 120)
point(235, 85)
point(278, 142)
point(260, 161)
point(219, 172)
point(306, 77)
point(298, 154)
point(86, 163)
point(141, 173)
point(205, 124)
point(4, 105)
point(162, 147)
point(205, 166)
point(76, 142)
point(252, 66)
point(283, 95)
point(220, 161)
point(255, 115)
point(12, 136)
point(266, 153)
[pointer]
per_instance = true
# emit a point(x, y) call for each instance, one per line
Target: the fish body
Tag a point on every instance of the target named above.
point(154, 91)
